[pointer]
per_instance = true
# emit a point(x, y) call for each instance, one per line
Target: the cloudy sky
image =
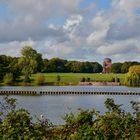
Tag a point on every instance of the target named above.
point(86, 30)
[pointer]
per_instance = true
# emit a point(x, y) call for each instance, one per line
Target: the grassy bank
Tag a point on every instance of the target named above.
point(73, 78)
point(69, 78)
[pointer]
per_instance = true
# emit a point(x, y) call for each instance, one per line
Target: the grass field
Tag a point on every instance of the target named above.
point(74, 78)
point(70, 78)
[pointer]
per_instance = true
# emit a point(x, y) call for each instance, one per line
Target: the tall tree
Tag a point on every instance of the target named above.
point(97, 68)
point(4, 63)
point(126, 65)
point(30, 61)
point(116, 67)
point(55, 65)
point(133, 76)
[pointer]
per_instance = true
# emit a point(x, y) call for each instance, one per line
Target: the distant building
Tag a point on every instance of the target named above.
point(107, 65)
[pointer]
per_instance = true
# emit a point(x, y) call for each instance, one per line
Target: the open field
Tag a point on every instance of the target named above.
point(71, 78)
point(74, 78)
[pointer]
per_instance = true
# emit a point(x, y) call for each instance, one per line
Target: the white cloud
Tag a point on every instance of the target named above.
point(97, 38)
point(80, 34)
point(71, 24)
point(44, 8)
point(116, 32)
point(28, 18)
point(121, 47)
point(127, 7)
point(14, 48)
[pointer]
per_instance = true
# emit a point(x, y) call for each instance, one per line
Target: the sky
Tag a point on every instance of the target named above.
point(84, 30)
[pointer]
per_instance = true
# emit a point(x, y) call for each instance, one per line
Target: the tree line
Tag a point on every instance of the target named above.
point(122, 67)
point(32, 62)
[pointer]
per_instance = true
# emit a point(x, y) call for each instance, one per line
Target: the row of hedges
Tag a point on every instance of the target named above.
point(39, 79)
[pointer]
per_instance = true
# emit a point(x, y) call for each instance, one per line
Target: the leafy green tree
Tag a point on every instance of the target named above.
point(8, 79)
point(132, 78)
point(45, 63)
point(111, 106)
point(58, 78)
point(18, 125)
point(1, 72)
point(96, 67)
point(40, 79)
point(7, 105)
point(83, 67)
point(115, 124)
point(126, 65)
point(40, 63)
point(86, 67)
point(75, 66)
point(15, 69)
point(5, 60)
point(4, 63)
point(78, 127)
point(55, 65)
point(29, 62)
point(116, 67)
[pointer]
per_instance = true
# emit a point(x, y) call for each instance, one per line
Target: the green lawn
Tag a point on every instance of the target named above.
point(71, 78)
point(74, 78)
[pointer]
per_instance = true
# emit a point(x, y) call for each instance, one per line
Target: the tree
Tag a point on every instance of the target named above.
point(75, 66)
point(115, 124)
point(58, 78)
point(8, 78)
point(79, 127)
point(1, 72)
point(86, 67)
point(18, 125)
point(4, 63)
point(116, 67)
point(97, 68)
point(40, 79)
point(45, 64)
point(30, 61)
point(83, 67)
point(126, 65)
point(40, 63)
point(15, 68)
point(132, 78)
point(55, 65)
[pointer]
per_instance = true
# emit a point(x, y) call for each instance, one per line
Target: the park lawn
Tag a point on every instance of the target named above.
point(74, 78)
point(70, 78)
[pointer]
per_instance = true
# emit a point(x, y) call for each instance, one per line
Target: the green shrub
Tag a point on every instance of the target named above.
point(83, 79)
point(8, 79)
point(132, 78)
point(40, 79)
point(26, 79)
point(88, 79)
point(58, 78)
point(113, 79)
point(115, 124)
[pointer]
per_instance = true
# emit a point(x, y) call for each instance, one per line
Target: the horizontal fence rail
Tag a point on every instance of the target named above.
point(6, 92)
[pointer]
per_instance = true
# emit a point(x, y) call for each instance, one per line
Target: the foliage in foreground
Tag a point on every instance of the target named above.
point(86, 125)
